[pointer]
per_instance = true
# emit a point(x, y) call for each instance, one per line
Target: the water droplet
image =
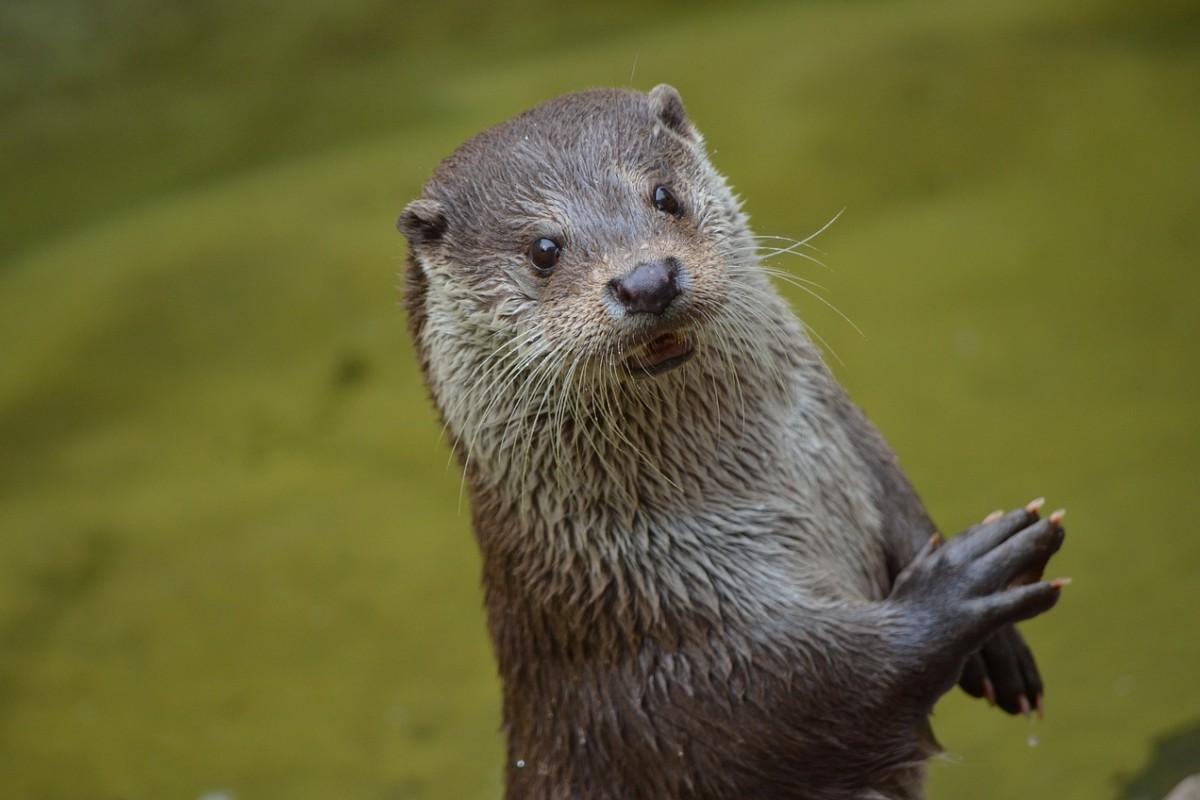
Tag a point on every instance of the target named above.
point(1033, 740)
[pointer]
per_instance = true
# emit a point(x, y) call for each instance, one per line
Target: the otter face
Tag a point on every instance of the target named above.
point(592, 226)
point(585, 262)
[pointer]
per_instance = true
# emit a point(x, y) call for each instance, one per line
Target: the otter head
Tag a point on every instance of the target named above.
point(585, 245)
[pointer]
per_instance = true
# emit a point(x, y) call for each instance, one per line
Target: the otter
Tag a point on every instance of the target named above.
point(705, 574)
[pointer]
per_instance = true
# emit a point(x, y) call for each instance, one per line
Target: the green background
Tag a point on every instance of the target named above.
point(233, 557)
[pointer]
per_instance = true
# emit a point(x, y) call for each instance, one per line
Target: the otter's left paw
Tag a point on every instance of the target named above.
point(1004, 672)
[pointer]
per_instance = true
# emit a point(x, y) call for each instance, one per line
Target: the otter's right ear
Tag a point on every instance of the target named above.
point(668, 107)
point(423, 222)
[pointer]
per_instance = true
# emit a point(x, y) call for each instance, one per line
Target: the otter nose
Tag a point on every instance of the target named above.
point(647, 288)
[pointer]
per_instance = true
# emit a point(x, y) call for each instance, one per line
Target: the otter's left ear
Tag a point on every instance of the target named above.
point(668, 107)
point(423, 222)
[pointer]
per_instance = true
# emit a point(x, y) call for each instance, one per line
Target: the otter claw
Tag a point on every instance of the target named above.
point(989, 691)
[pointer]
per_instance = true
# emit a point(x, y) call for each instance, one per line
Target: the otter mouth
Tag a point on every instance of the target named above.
point(661, 354)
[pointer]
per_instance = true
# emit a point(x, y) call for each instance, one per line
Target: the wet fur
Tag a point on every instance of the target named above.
point(686, 576)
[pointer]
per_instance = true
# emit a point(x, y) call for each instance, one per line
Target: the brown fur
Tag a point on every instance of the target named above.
point(689, 579)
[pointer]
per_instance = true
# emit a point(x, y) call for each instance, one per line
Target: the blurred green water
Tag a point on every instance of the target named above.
point(230, 557)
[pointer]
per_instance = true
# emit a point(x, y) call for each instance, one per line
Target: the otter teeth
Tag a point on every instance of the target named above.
point(663, 352)
point(659, 342)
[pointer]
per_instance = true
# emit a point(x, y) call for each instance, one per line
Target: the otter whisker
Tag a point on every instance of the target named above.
point(789, 251)
point(766, 252)
point(542, 392)
point(559, 415)
point(741, 311)
point(777, 237)
point(799, 284)
point(724, 346)
point(533, 392)
point(783, 275)
point(771, 247)
point(824, 227)
point(496, 370)
point(609, 428)
point(812, 235)
point(496, 378)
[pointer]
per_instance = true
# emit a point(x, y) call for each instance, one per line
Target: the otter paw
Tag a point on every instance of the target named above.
point(983, 579)
point(1004, 672)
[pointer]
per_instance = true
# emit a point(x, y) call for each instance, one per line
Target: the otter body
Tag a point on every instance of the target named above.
point(705, 574)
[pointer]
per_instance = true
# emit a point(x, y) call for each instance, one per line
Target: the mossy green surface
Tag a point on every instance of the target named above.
point(233, 555)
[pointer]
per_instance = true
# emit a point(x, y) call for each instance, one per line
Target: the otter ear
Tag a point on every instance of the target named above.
point(423, 222)
point(668, 107)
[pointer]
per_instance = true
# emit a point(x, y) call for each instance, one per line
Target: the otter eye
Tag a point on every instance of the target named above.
point(543, 254)
point(664, 201)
